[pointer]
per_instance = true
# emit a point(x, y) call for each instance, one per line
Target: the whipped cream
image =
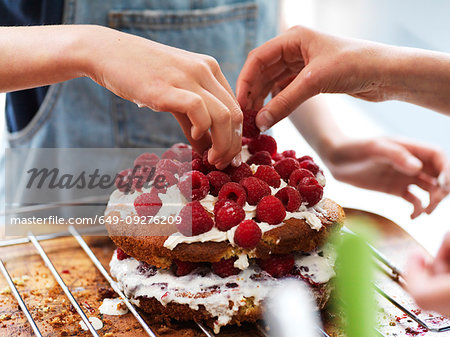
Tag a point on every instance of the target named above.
point(113, 307)
point(214, 235)
point(250, 283)
point(96, 323)
point(245, 154)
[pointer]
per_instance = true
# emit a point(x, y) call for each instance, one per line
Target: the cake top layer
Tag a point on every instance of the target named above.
point(180, 207)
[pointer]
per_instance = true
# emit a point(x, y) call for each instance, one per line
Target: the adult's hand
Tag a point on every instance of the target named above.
point(390, 165)
point(306, 62)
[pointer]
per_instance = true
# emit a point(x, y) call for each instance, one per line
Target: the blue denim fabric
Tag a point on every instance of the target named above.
point(82, 114)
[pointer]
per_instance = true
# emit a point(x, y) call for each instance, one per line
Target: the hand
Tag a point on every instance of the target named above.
point(390, 165)
point(190, 86)
point(304, 63)
point(429, 283)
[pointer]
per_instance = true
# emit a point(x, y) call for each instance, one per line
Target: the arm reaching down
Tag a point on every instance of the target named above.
point(382, 164)
point(190, 86)
point(308, 62)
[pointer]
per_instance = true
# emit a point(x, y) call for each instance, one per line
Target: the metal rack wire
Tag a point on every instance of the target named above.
point(72, 231)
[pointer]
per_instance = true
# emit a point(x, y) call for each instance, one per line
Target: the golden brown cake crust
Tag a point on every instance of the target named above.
point(294, 235)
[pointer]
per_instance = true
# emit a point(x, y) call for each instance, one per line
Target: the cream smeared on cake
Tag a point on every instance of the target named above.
point(252, 282)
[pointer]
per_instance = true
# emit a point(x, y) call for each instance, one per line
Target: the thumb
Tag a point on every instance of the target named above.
point(287, 100)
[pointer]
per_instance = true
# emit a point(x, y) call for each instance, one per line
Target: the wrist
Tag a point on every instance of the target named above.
point(83, 46)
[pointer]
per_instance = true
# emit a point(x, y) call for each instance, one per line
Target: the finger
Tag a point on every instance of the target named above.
point(236, 117)
point(398, 155)
point(299, 90)
point(257, 61)
point(434, 160)
point(442, 261)
point(200, 144)
point(425, 182)
point(220, 77)
point(192, 105)
point(261, 89)
point(415, 201)
point(436, 196)
point(221, 130)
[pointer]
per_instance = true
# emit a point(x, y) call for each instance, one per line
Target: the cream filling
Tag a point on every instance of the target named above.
point(166, 287)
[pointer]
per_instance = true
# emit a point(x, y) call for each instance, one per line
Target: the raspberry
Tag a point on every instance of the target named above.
point(300, 159)
point(290, 198)
point(288, 154)
point(220, 203)
point(179, 146)
point(178, 153)
point(233, 191)
point(146, 269)
point(277, 265)
point(216, 180)
point(206, 164)
point(245, 141)
point(269, 175)
point(240, 172)
point(297, 175)
point(225, 268)
point(255, 188)
point(197, 165)
point(141, 176)
point(121, 255)
point(171, 154)
point(185, 154)
point(263, 143)
point(247, 234)
point(146, 159)
point(228, 216)
point(277, 156)
point(167, 165)
point(184, 267)
point(147, 204)
point(310, 190)
point(184, 167)
point(123, 180)
point(285, 167)
point(260, 158)
point(309, 165)
point(249, 128)
point(271, 210)
point(164, 178)
point(193, 185)
point(194, 220)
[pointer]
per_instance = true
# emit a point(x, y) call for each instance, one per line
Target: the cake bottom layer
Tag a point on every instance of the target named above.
point(205, 296)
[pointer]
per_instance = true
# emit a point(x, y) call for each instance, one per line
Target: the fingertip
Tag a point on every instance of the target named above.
point(413, 164)
point(264, 120)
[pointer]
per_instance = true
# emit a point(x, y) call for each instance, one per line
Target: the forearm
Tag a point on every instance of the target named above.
point(42, 55)
point(418, 76)
point(313, 119)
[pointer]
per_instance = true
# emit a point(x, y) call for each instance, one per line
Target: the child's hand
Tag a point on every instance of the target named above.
point(189, 85)
point(390, 166)
point(429, 283)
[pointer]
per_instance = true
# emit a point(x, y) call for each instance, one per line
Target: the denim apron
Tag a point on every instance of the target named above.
point(81, 114)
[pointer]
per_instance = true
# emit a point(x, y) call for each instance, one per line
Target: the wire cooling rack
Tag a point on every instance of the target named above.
point(384, 263)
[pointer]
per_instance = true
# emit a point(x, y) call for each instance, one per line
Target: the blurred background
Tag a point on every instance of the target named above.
point(414, 23)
